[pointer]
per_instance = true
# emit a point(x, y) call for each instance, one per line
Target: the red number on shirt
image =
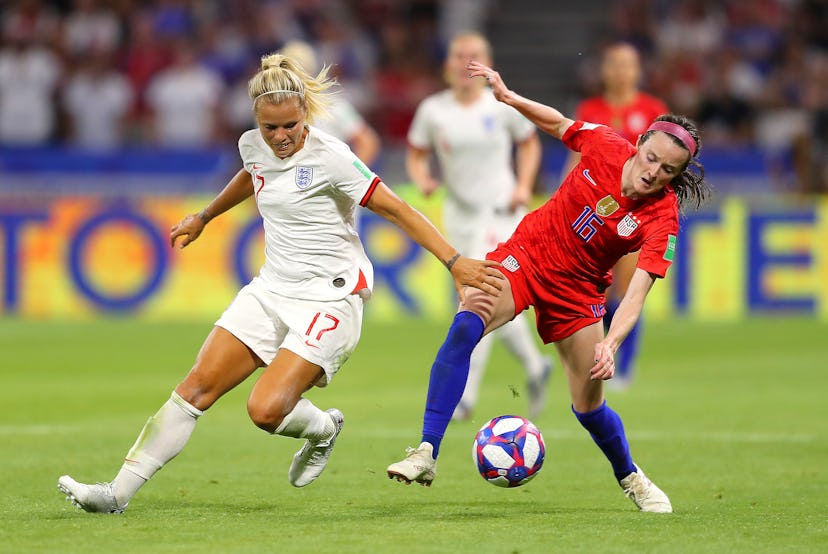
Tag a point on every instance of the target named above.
point(334, 323)
point(261, 180)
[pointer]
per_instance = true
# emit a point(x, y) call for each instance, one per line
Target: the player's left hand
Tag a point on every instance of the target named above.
point(480, 274)
point(190, 228)
point(604, 367)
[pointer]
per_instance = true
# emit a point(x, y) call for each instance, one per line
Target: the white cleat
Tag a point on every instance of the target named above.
point(536, 390)
point(419, 466)
point(97, 498)
point(310, 461)
point(645, 494)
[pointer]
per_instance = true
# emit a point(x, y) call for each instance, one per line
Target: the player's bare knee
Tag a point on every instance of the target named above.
point(266, 415)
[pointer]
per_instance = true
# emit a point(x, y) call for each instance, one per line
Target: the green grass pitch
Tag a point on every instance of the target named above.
point(731, 420)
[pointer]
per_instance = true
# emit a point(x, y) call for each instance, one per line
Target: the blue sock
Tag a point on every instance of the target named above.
point(627, 353)
point(448, 376)
point(610, 306)
point(607, 431)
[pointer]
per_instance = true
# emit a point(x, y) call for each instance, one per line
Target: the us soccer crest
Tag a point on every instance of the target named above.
point(627, 225)
point(304, 177)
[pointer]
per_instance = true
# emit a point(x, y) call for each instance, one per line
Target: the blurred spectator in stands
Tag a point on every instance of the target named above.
point(755, 31)
point(29, 74)
point(339, 42)
point(224, 48)
point(184, 100)
point(173, 19)
point(688, 35)
point(632, 22)
point(691, 27)
point(459, 16)
point(781, 119)
point(143, 57)
point(33, 20)
point(90, 26)
point(97, 100)
point(407, 74)
point(724, 110)
point(270, 26)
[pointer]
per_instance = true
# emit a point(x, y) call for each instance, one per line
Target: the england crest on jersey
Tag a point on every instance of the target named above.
point(304, 177)
point(627, 225)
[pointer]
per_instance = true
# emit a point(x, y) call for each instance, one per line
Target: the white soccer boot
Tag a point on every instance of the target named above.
point(536, 390)
point(96, 498)
point(643, 492)
point(310, 461)
point(418, 466)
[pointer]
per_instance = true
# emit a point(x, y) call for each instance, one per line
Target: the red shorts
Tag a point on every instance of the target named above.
point(562, 304)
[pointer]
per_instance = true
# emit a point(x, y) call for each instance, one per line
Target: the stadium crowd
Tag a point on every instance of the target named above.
point(107, 73)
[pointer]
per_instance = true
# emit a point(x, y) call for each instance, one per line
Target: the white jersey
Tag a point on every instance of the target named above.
point(307, 202)
point(473, 144)
point(342, 120)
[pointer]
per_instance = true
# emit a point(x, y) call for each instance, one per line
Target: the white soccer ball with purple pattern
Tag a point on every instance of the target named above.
point(508, 451)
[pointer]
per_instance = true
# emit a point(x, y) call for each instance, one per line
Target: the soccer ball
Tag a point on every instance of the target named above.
point(508, 451)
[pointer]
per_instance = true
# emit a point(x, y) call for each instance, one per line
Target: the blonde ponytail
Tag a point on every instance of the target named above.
point(281, 77)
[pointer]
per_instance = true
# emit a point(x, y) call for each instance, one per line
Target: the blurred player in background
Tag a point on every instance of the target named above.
point(629, 111)
point(300, 318)
point(473, 136)
point(618, 199)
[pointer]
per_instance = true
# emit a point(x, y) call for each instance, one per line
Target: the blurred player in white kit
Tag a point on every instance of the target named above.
point(473, 137)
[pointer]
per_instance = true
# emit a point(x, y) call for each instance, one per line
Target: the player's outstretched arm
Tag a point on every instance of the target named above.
point(545, 117)
point(237, 190)
point(625, 318)
point(465, 271)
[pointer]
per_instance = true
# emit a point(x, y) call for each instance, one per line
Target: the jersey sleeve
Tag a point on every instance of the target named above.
point(247, 148)
point(420, 133)
point(349, 175)
point(659, 249)
point(585, 137)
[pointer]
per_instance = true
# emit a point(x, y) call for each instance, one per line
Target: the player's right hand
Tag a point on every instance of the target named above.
point(190, 228)
point(480, 274)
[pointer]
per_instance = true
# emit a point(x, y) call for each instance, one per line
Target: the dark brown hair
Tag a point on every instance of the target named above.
point(689, 185)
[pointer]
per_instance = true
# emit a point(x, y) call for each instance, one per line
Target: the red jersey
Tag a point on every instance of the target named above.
point(629, 120)
point(588, 225)
point(559, 258)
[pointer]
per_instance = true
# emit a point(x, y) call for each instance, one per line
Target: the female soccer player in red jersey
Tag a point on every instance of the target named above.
point(618, 199)
point(629, 111)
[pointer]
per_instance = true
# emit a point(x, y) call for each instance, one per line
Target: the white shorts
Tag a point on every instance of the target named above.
point(323, 333)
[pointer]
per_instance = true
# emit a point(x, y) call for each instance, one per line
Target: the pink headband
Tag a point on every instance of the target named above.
point(677, 131)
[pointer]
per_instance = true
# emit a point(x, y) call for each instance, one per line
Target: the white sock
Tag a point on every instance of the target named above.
point(518, 338)
point(306, 421)
point(161, 439)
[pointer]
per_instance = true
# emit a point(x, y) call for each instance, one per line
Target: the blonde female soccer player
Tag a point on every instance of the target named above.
point(300, 318)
